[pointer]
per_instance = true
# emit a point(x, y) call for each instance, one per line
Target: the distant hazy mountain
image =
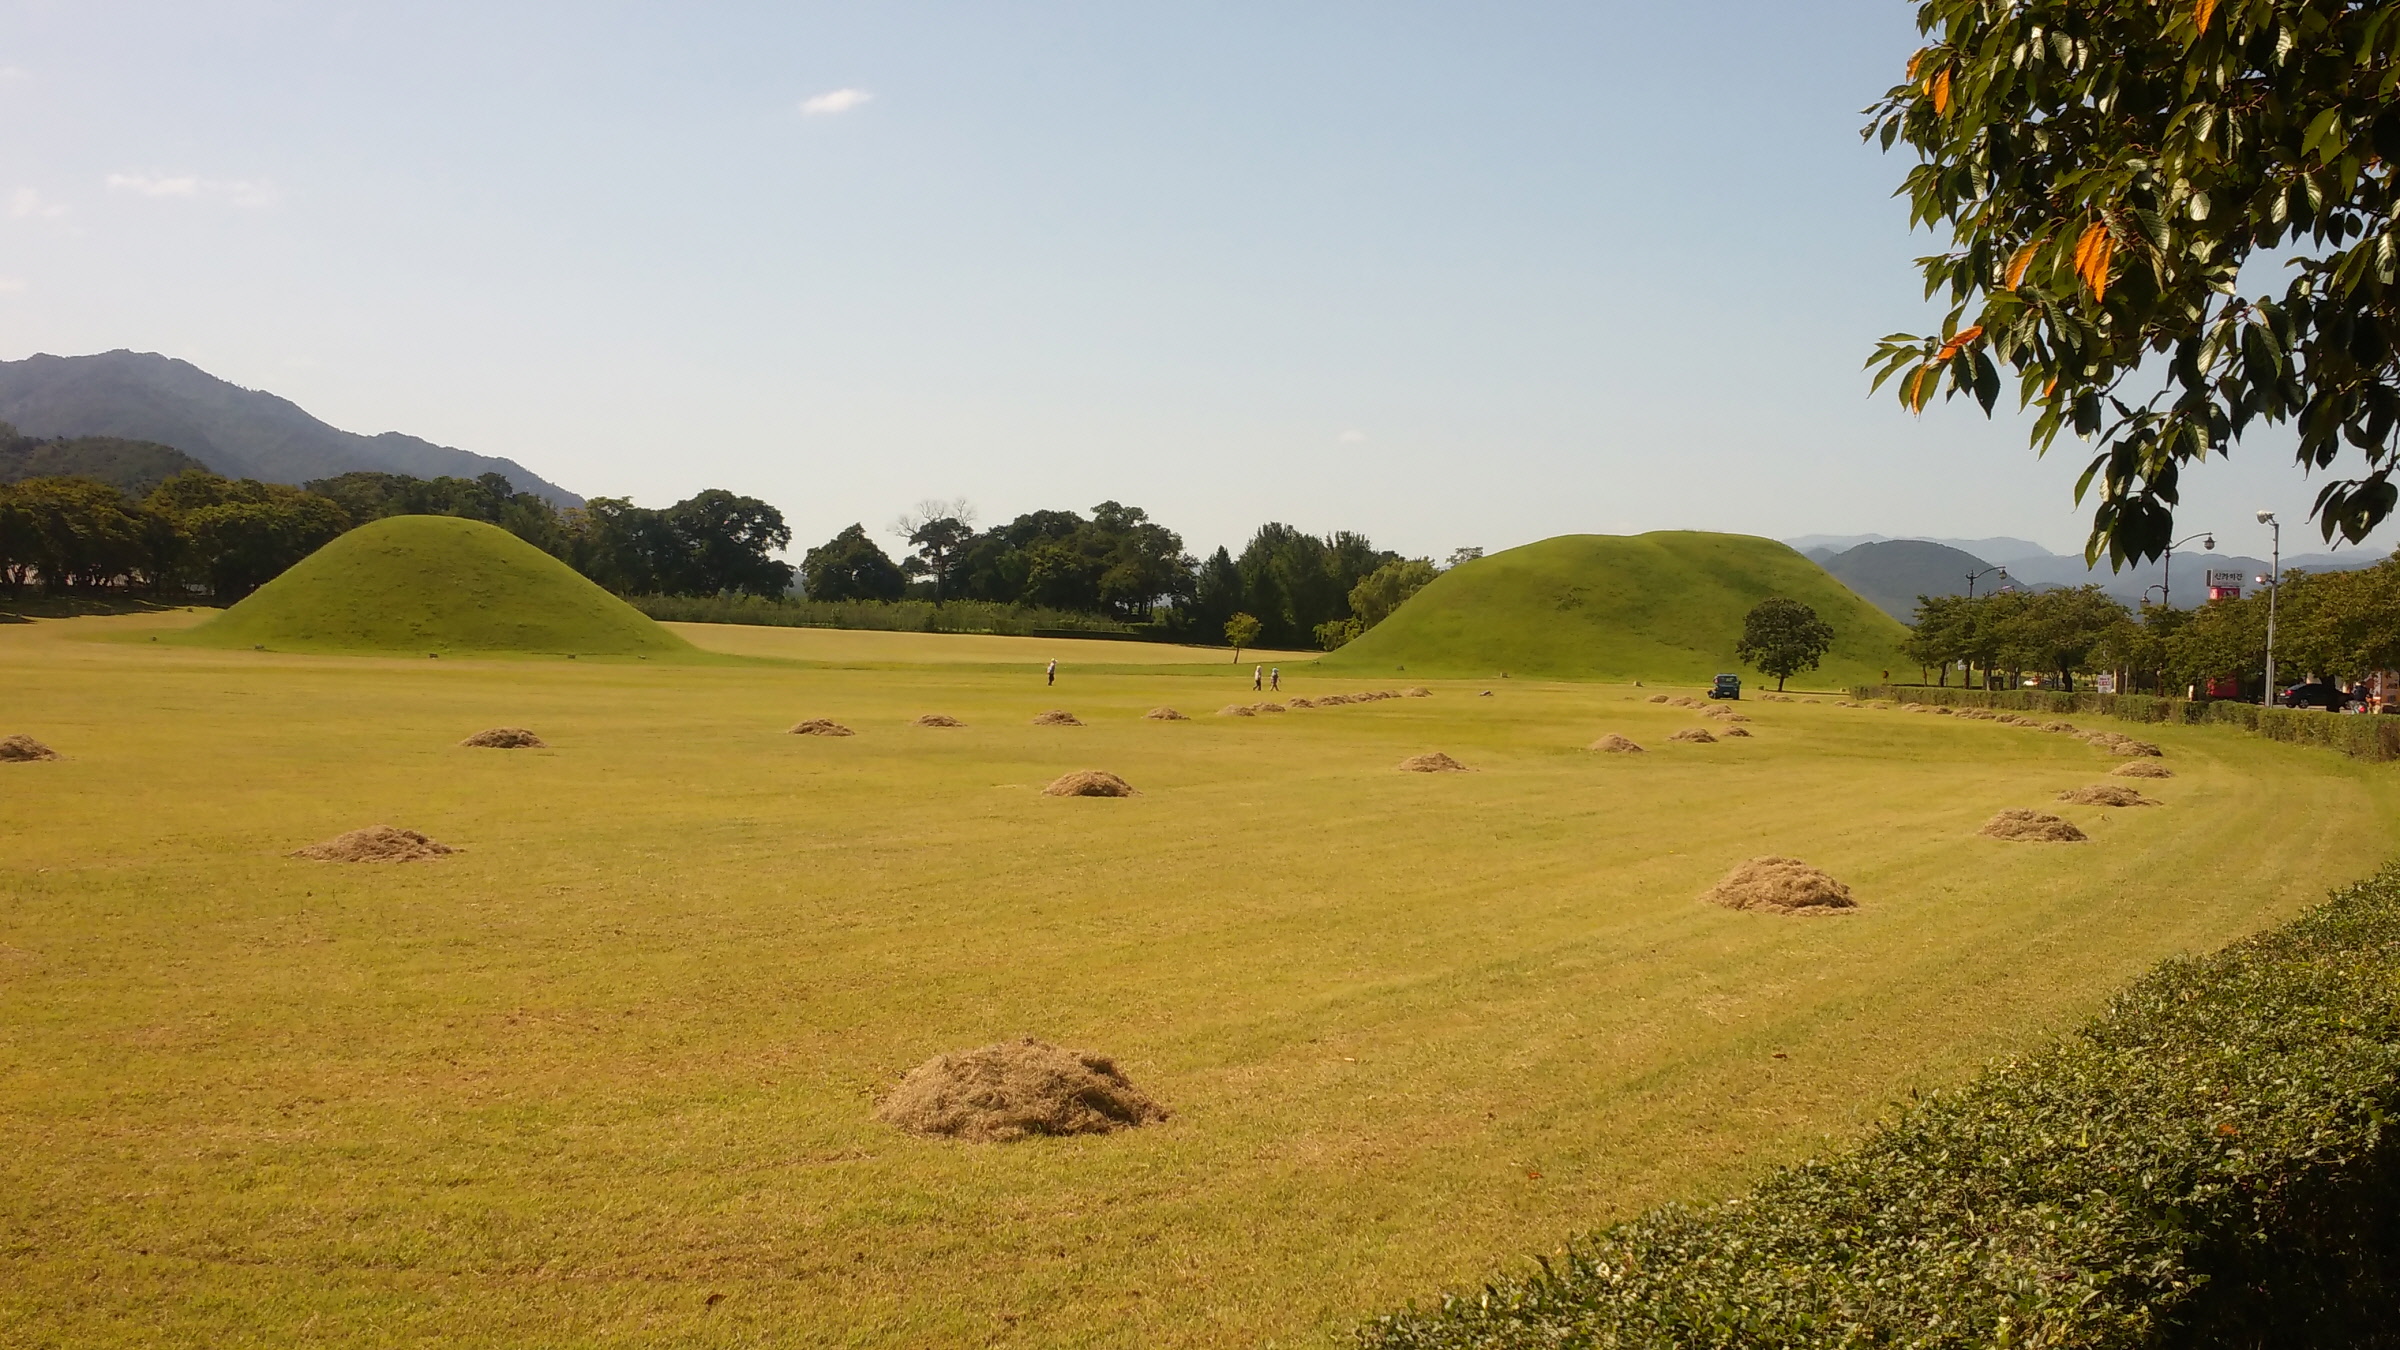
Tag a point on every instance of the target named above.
point(242, 433)
point(133, 466)
point(1892, 573)
point(1998, 550)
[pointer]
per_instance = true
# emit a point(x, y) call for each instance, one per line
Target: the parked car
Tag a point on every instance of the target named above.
point(1727, 686)
point(2315, 694)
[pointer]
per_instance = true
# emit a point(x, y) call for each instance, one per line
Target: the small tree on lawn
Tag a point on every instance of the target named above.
point(1241, 630)
point(1782, 638)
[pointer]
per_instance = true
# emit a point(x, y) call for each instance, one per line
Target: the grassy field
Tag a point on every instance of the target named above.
point(605, 1077)
point(1663, 605)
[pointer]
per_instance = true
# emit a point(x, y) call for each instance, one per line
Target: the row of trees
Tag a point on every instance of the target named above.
point(2335, 625)
point(1302, 588)
point(200, 531)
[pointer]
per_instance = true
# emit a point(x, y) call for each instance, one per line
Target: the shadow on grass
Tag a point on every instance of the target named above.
point(31, 605)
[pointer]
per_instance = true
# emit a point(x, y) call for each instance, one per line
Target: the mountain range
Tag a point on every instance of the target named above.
point(1894, 572)
point(241, 433)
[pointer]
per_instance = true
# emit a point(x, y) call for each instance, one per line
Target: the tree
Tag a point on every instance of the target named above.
point(240, 534)
point(721, 543)
point(1241, 630)
point(1462, 555)
point(850, 566)
point(938, 530)
point(2058, 631)
point(1387, 588)
point(1782, 637)
point(2104, 172)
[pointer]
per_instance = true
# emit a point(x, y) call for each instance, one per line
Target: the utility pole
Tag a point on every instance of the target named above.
point(2274, 584)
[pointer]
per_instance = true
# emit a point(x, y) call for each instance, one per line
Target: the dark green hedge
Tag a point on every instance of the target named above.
point(2361, 737)
point(2206, 1164)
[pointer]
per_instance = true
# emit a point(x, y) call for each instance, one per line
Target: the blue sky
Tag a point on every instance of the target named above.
point(1445, 274)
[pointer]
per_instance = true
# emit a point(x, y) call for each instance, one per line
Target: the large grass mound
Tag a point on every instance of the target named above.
point(1663, 606)
point(435, 584)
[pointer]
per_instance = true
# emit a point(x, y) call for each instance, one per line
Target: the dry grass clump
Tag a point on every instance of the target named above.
point(1734, 731)
point(1614, 744)
point(1090, 783)
point(938, 720)
point(1266, 707)
point(506, 738)
point(1698, 735)
point(1916, 707)
point(1299, 702)
point(2032, 827)
point(1780, 886)
point(821, 726)
point(1014, 1090)
point(23, 749)
point(1418, 692)
point(2141, 768)
point(1945, 712)
point(1659, 698)
point(1165, 715)
point(1437, 762)
point(2063, 728)
point(1237, 710)
point(375, 843)
point(2105, 794)
point(1057, 717)
point(2118, 743)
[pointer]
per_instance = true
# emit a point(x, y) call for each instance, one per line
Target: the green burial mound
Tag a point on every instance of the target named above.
point(1666, 606)
point(436, 584)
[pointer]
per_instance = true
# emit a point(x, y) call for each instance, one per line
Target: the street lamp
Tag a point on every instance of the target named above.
point(2167, 577)
point(1973, 577)
point(2274, 584)
point(2162, 595)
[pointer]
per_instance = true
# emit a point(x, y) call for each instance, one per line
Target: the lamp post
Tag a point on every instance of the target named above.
point(1973, 577)
point(2167, 577)
point(2274, 584)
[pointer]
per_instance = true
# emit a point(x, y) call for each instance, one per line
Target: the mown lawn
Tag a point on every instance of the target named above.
point(605, 1077)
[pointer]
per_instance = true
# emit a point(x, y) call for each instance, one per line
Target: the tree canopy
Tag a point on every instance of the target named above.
point(1782, 637)
point(2104, 172)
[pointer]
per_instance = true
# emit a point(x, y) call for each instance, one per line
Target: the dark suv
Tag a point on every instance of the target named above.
point(1727, 686)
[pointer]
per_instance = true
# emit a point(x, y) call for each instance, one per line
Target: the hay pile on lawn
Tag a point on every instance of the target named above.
point(1165, 715)
point(2032, 827)
point(1614, 744)
point(1236, 710)
point(2064, 728)
point(938, 720)
point(375, 843)
point(1734, 731)
point(1698, 735)
point(1266, 707)
point(1299, 703)
point(1014, 1090)
point(1437, 762)
point(22, 749)
point(2118, 743)
point(2106, 794)
point(1658, 698)
point(821, 726)
point(1945, 712)
point(506, 738)
point(1090, 783)
point(2141, 768)
point(1057, 717)
point(1418, 692)
point(1780, 886)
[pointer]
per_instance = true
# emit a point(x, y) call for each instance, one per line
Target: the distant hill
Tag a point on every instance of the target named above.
point(242, 433)
point(2001, 549)
point(134, 467)
point(1666, 606)
point(1895, 572)
point(435, 584)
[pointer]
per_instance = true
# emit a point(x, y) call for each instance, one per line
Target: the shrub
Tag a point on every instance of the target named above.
point(907, 616)
point(2361, 737)
point(2205, 1163)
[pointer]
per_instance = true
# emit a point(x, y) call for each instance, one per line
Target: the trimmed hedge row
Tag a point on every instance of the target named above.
point(2207, 1163)
point(2360, 737)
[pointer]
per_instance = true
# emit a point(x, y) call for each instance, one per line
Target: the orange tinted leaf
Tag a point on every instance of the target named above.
point(1940, 89)
point(2093, 254)
point(2202, 12)
point(2018, 264)
point(1950, 348)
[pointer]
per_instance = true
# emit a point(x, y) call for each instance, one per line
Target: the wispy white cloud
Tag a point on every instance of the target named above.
point(238, 191)
point(838, 101)
point(8, 73)
point(28, 204)
point(1352, 437)
point(12, 285)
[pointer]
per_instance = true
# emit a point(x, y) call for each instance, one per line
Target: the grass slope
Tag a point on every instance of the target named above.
point(435, 584)
point(1661, 606)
